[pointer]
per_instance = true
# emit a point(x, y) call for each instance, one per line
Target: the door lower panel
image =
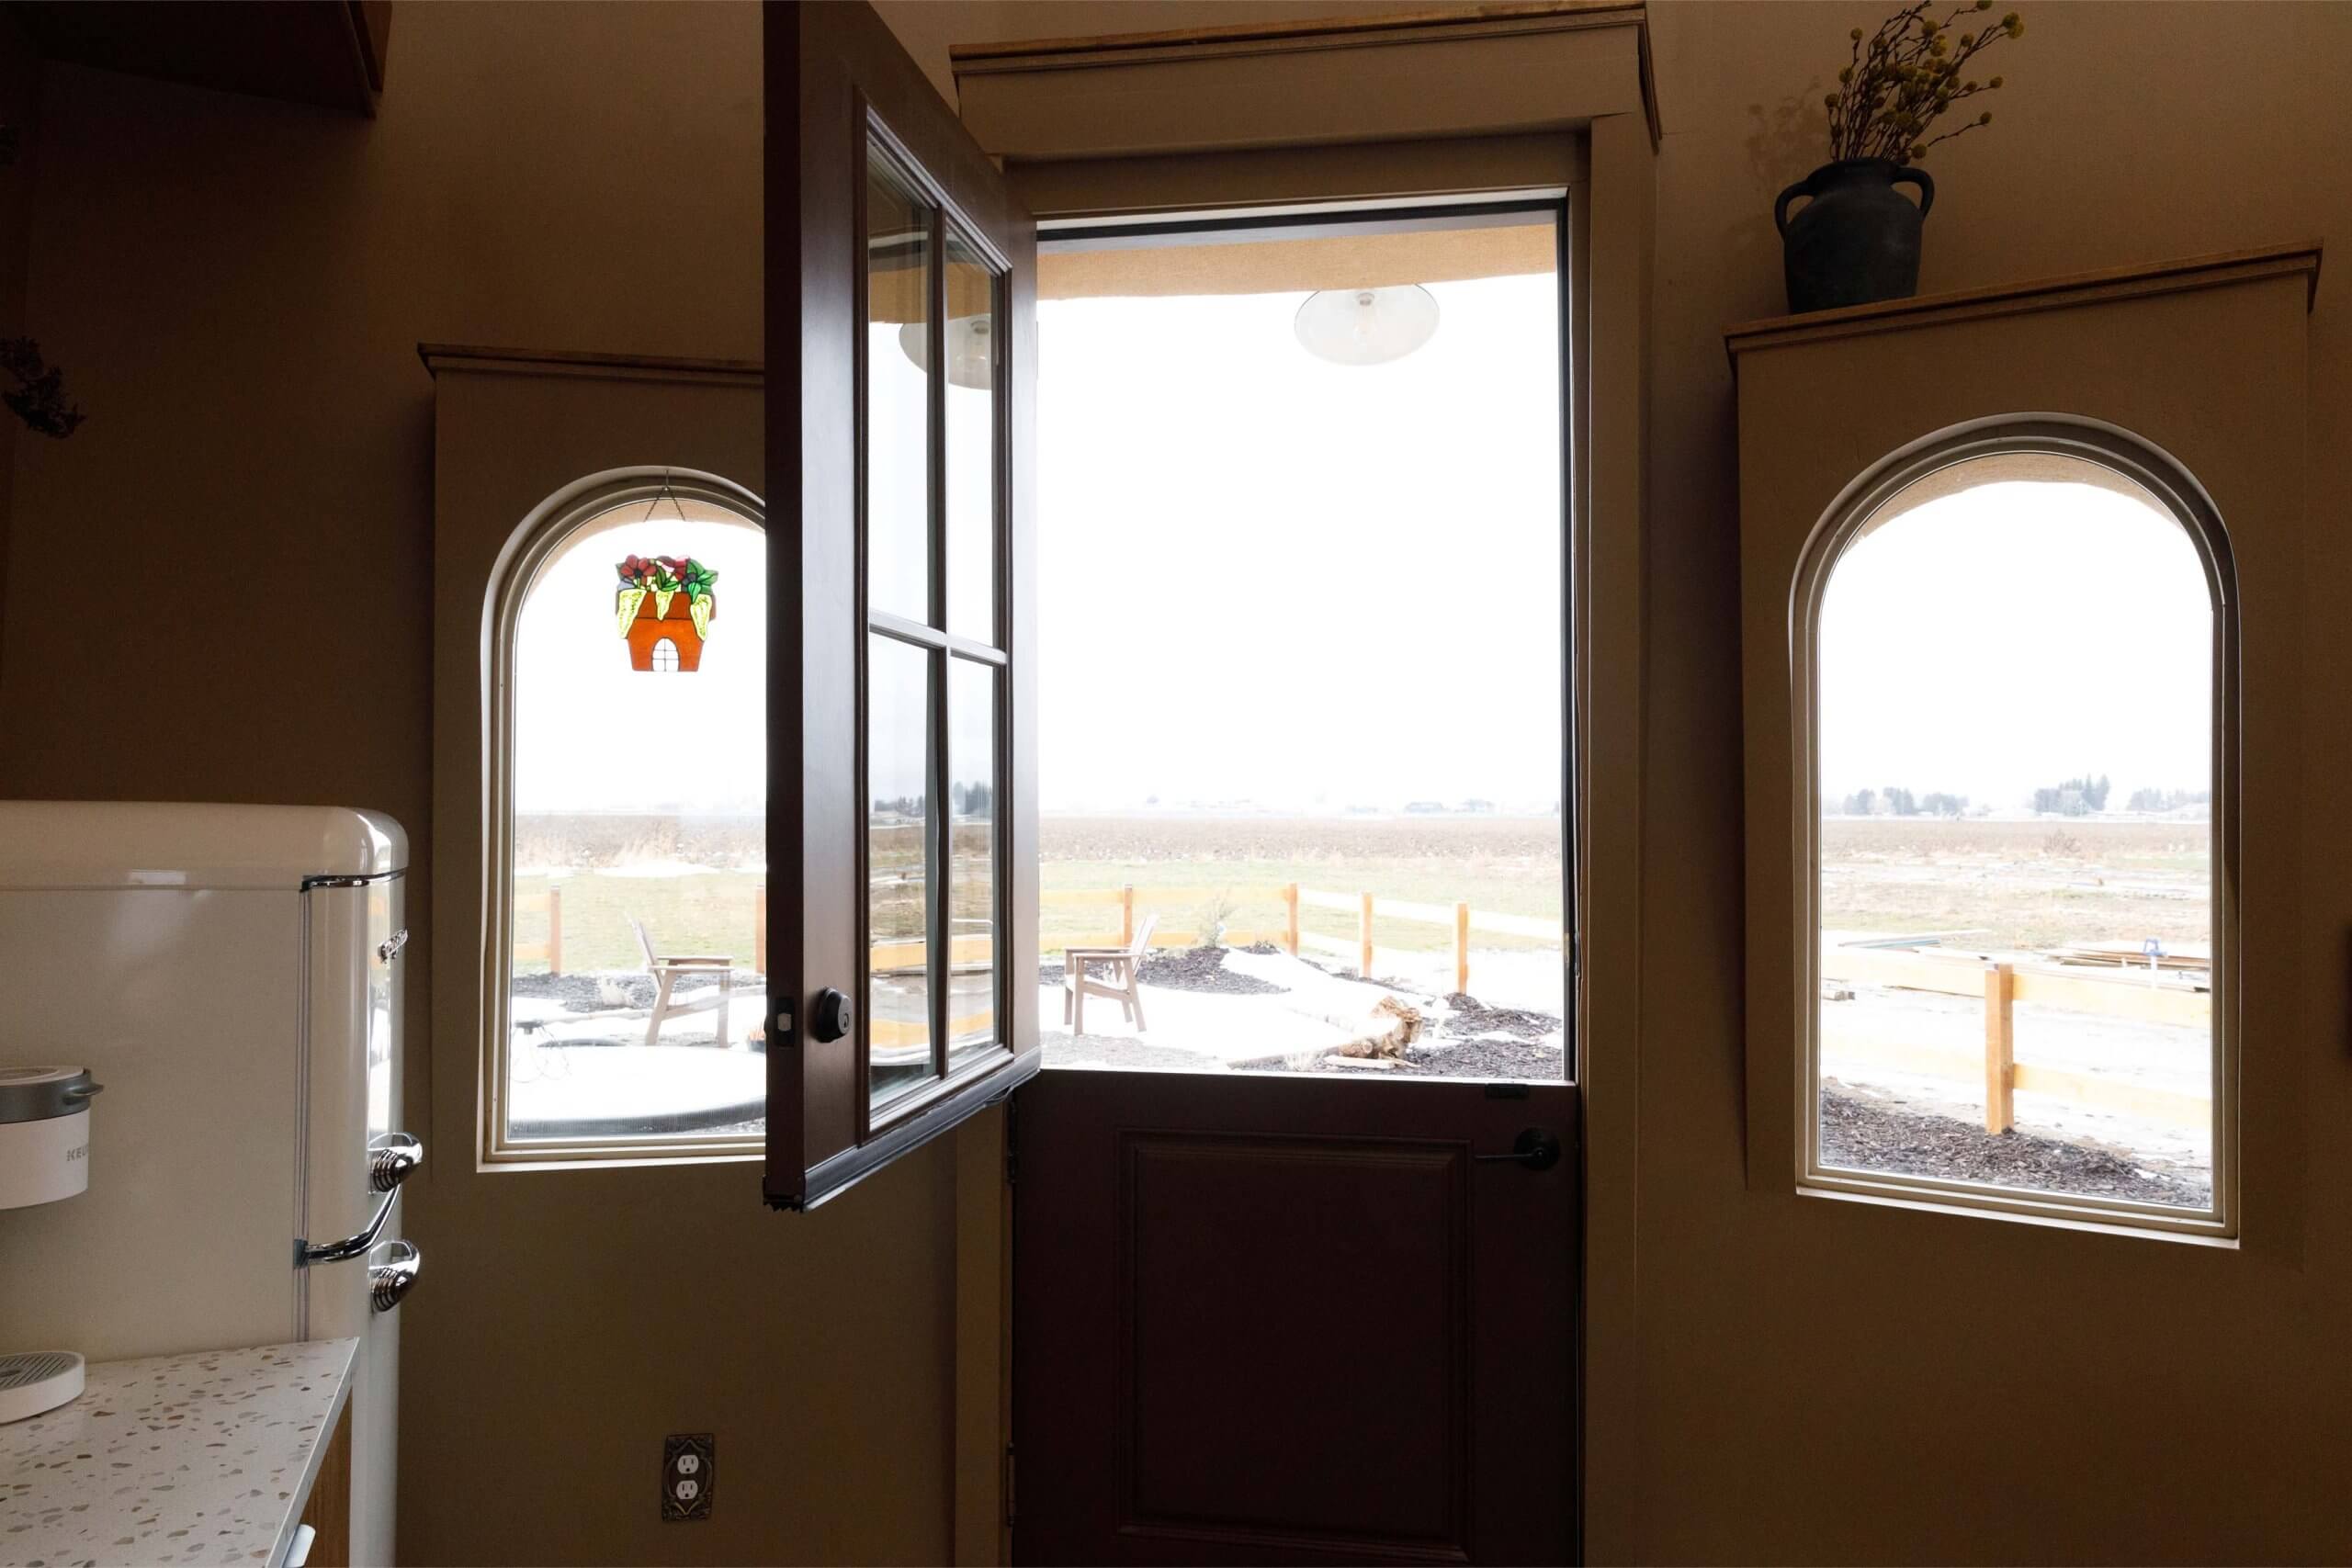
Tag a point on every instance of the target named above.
point(1288, 1320)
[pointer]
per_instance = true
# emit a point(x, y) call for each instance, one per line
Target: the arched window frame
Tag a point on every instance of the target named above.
point(2177, 491)
point(536, 542)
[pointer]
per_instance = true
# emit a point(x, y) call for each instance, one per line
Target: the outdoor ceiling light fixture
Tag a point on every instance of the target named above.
point(969, 362)
point(1367, 326)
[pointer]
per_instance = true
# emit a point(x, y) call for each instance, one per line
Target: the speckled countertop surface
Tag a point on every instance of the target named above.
point(201, 1457)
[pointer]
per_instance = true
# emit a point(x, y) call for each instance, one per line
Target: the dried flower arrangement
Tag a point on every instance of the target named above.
point(1902, 78)
point(39, 396)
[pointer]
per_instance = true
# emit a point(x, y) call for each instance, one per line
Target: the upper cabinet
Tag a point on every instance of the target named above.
point(328, 53)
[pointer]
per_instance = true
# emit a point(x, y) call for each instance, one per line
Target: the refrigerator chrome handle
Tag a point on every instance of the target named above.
point(388, 1281)
point(350, 1246)
point(390, 1158)
point(390, 1161)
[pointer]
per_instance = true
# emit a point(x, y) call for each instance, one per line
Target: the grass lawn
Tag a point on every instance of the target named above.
point(1193, 871)
point(2032, 884)
point(710, 912)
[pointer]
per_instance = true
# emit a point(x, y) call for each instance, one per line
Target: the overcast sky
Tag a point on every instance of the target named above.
point(591, 734)
point(1267, 578)
point(2013, 635)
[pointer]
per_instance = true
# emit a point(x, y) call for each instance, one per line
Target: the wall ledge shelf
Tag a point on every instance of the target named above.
point(2023, 298)
point(440, 357)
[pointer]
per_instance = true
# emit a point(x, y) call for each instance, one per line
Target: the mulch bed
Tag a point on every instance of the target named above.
point(1509, 1060)
point(1466, 1015)
point(1863, 1133)
point(1454, 1049)
point(1193, 969)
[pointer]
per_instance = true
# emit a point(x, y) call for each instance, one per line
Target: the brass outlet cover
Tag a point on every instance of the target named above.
point(689, 1476)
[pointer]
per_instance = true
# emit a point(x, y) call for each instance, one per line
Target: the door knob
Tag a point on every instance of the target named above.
point(834, 1016)
point(1534, 1148)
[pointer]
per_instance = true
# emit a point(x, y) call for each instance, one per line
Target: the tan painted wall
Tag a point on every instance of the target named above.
point(1791, 1413)
point(237, 287)
point(221, 588)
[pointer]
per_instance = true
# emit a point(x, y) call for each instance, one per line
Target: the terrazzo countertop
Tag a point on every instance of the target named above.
point(201, 1457)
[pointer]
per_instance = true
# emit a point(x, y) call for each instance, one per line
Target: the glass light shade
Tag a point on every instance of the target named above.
point(1367, 326)
point(970, 362)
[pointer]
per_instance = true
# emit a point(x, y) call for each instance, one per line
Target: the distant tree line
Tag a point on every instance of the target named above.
point(2077, 796)
point(2168, 799)
point(1896, 801)
point(2074, 798)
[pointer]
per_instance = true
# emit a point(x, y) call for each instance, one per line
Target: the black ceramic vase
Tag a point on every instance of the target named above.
point(1857, 240)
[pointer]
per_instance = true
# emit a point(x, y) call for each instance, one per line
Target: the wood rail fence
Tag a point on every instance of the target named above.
point(2003, 985)
point(1458, 916)
point(551, 950)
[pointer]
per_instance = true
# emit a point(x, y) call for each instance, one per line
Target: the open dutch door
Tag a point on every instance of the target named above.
point(900, 352)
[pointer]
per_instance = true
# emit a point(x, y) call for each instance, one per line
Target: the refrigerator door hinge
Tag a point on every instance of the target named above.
point(1008, 1486)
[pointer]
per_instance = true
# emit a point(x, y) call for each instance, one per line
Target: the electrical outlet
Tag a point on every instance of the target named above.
point(689, 1475)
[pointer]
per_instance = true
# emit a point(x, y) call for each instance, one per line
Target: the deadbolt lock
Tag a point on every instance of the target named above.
point(834, 1016)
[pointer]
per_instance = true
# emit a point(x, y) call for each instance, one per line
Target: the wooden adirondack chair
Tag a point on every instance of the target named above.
point(1110, 971)
point(666, 969)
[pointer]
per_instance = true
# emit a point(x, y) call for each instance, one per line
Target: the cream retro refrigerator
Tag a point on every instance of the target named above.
point(230, 975)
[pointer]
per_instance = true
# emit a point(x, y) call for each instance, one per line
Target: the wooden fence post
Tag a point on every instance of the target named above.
point(555, 928)
point(1127, 914)
point(1461, 947)
point(760, 929)
point(1364, 957)
point(1290, 918)
point(2000, 1047)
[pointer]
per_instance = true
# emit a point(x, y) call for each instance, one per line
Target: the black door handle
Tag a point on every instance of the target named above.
point(1535, 1148)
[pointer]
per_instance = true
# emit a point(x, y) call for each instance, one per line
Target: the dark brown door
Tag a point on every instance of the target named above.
point(1293, 1320)
point(900, 306)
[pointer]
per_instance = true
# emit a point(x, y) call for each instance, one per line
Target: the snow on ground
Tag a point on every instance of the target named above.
point(586, 1090)
point(2171, 1058)
point(657, 868)
point(1208, 1031)
point(1204, 1032)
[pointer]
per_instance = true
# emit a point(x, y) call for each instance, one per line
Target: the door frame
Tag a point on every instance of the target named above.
point(1579, 103)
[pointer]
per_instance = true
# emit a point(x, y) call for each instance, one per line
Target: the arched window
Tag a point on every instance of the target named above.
point(627, 745)
point(2018, 773)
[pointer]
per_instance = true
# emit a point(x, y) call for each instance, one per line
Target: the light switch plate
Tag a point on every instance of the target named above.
point(689, 1476)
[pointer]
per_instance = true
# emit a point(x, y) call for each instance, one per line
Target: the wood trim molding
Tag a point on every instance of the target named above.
point(1148, 184)
point(2022, 299)
point(1124, 95)
point(440, 357)
point(1278, 38)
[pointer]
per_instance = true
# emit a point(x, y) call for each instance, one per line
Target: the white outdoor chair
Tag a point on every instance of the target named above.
point(666, 969)
point(1112, 972)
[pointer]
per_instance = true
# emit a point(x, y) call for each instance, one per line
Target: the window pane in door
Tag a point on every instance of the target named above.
point(897, 398)
point(897, 841)
point(1301, 740)
point(971, 863)
point(971, 443)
